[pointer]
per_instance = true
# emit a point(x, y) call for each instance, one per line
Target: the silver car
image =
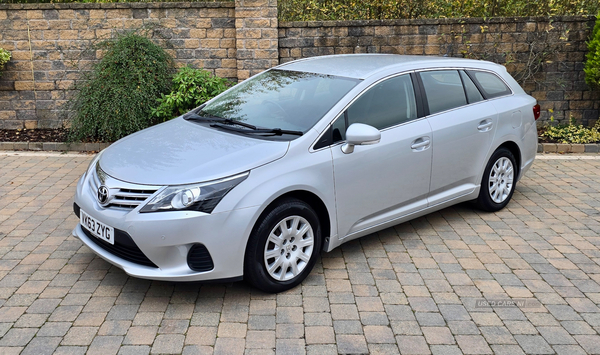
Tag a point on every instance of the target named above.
point(301, 158)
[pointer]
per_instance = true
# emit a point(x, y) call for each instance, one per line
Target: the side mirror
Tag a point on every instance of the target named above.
point(360, 134)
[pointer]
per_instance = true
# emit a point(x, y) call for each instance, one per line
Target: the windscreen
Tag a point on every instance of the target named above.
point(281, 99)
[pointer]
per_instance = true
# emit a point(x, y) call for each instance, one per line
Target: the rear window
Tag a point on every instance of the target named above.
point(444, 90)
point(491, 84)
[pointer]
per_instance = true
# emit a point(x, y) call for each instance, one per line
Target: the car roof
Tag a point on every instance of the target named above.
point(361, 66)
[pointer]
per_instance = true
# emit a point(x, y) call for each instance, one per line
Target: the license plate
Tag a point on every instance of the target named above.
point(98, 229)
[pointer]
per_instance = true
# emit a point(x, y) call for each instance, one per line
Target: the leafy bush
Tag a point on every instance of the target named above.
point(592, 64)
point(116, 97)
point(572, 133)
point(4, 58)
point(191, 88)
point(310, 10)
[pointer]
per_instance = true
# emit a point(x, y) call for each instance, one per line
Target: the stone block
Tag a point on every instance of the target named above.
point(549, 147)
point(563, 148)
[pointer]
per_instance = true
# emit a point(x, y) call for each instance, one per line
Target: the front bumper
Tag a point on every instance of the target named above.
point(165, 239)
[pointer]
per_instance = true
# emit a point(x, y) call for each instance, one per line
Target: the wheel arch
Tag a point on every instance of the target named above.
point(516, 152)
point(316, 203)
point(311, 199)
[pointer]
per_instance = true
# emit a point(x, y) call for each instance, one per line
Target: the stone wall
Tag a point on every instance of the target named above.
point(545, 55)
point(47, 43)
point(256, 33)
point(238, 39)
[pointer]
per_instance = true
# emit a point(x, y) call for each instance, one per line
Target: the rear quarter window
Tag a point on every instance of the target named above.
point(491, 85)
point(443, 89)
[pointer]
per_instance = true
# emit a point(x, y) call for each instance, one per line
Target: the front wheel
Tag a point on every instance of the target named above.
point(283, 247)
point(498, 181)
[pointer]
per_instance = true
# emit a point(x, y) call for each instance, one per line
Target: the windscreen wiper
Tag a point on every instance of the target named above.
point(196, 117)
point(271, 131)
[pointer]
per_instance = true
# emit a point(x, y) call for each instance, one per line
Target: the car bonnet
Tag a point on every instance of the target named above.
point(182, 152)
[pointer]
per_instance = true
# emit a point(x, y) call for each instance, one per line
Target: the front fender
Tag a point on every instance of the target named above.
point(267, 183)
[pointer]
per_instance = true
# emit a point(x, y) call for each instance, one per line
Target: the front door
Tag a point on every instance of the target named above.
point(381, 182)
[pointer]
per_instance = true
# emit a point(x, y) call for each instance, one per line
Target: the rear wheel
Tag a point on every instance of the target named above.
point(283, 247)
point(498, 181)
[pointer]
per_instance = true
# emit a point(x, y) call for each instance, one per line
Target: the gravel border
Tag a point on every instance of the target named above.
point(95, 147)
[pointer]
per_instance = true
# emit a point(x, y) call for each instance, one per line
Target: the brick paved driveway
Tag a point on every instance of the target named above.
point(416, 288)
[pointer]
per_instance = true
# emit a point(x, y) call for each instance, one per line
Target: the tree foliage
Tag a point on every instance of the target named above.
point(592, 64)
point(116, 97)
point(191, 88)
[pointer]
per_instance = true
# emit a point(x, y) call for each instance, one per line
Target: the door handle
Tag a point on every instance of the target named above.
point(420, 144)
point(485, 125)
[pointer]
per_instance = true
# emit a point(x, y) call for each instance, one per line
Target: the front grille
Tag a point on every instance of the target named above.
point(124, 247)
point(199, 259)
point(122, 194)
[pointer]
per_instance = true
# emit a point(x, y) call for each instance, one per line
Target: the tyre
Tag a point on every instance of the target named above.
point(498, 181)
point(283, 247)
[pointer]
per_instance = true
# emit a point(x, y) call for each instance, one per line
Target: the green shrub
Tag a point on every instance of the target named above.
point(592, 64)
point(572, 133)
point(116, 97)
point(4, 58)
point(191, 88)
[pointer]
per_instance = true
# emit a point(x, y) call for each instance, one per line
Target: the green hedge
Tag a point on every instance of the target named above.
point(309, 10)
point(592, 64)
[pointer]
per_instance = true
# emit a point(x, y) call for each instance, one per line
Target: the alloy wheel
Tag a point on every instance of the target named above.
point(289, 248)
point(500, 182)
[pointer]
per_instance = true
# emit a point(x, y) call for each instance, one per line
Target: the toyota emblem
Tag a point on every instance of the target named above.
point(103, 195)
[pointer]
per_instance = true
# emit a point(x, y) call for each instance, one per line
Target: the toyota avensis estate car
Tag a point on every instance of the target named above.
point(301, 158)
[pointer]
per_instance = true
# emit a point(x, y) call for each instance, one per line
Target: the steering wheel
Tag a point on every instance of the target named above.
point(278, 106)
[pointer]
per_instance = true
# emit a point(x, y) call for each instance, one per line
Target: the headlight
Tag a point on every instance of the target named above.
point(201, 197)
point(93, 163)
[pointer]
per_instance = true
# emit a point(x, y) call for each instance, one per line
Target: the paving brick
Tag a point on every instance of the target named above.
point(41, 346)
point(201, 335)
point(290, 331)
point(410, 344)
point(351, 344)
point(533, 344)
point(109, 344)
point(168, 344)
point(141, 335)
point(260, 339)
point(473, 344)
point(438, 335)
point(17, 337)
point(81, 336)
point(290, 346)
point(378, 334)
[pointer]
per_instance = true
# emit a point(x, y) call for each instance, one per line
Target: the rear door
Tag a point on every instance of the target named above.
point(463, 124)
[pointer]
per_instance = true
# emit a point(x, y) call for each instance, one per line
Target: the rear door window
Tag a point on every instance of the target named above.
point(443, 89)
point(491, 84)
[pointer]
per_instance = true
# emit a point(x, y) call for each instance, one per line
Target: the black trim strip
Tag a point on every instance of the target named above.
point(421, 96)
point(124, 248)
point(481, 91)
